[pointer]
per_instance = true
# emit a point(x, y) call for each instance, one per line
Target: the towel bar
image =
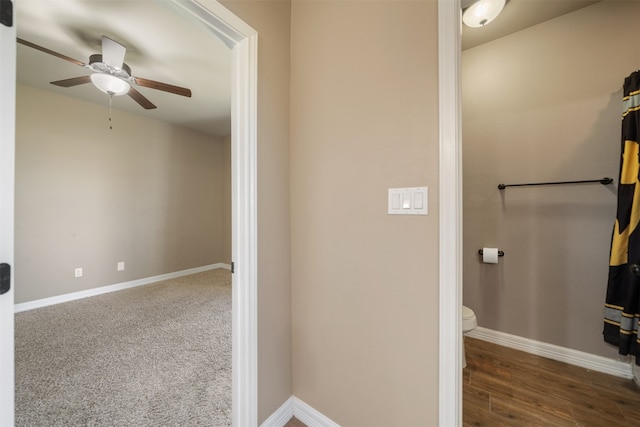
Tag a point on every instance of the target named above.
point(603, 181)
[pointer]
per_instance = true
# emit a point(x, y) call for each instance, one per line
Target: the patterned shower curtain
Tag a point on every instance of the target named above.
point(622, 306)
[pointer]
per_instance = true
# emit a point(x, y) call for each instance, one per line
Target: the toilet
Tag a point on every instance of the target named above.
point(469, 323)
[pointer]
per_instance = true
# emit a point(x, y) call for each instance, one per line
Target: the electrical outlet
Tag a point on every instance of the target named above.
point(78, 272)
point(121, 266)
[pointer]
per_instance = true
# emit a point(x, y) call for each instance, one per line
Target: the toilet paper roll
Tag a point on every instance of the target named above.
point(490, 255)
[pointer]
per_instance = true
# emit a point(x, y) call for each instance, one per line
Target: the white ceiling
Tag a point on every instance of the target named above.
point(163, 44)
point(518, 15)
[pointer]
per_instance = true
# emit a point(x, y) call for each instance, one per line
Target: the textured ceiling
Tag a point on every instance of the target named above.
point(163, 44)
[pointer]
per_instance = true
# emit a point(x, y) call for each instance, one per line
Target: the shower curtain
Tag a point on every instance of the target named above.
point(622, 303)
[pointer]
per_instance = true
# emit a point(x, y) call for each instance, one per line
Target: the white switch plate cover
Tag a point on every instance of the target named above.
point(120, 266)
point(408, 197)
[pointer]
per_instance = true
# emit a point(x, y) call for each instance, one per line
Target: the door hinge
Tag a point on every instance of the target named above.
point(6, 13)
point(5, 278)
point(233, 267)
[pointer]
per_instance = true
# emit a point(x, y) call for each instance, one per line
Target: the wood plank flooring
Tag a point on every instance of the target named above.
point(294, 422)
point(506, 387)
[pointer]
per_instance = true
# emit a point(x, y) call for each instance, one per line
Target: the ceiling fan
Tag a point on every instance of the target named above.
point(110, 74)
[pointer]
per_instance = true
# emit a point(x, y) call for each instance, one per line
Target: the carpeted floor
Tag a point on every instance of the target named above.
point(156, 355)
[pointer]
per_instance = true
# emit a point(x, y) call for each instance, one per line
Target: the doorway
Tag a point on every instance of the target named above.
point(243, 42)
point(591, 152)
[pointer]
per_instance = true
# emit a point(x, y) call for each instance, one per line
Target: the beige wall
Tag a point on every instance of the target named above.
point(544, 104)
point(146, 193)
point(271, 19)
point(364, 101)
point(226, 197)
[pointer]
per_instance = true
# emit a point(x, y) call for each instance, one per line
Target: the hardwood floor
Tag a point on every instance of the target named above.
point(506, 387)
point(294, 422)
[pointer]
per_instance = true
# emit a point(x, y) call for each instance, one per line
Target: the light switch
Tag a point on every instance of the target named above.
point(395, 201)
point(406, 201)
point(418, 201)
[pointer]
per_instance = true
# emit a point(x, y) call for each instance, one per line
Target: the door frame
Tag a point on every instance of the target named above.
point(450, 287)
point(243, 42)
point(7, 179)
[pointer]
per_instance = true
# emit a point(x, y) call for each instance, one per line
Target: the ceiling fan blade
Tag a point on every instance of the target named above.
point(75, 81)
point(50, 52)
point(112, 52)
point(140, 99)
point(162, 86)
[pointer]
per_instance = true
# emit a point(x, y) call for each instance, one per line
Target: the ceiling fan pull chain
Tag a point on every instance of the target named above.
point(110, 100)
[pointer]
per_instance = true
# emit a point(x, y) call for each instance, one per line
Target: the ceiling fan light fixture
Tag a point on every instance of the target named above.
point(482, 12)
point(109, 84)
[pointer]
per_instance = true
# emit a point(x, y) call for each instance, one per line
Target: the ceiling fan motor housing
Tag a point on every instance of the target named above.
point(96, 64)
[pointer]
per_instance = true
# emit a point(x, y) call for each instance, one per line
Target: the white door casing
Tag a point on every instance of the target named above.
point(450, 288)
point(7, 177)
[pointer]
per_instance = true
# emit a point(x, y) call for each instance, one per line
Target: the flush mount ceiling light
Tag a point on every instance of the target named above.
point(110, 84)
point(482, 12)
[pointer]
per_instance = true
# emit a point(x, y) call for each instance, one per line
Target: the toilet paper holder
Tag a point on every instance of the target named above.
point(500, 253)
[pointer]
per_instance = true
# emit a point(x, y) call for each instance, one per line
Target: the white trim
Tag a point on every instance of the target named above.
point(281, 416)
point(555, 352)
point(450, 255)
point(218, 19)
point(310, 416)
point(245, 233)
point(7, 179)
point(295, 407)
point(58, 299)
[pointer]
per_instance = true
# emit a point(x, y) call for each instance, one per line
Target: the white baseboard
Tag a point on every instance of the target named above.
point(305, 413)
point(555, 352)
point(281, 416)
point(30, 305)
point(310, 416)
